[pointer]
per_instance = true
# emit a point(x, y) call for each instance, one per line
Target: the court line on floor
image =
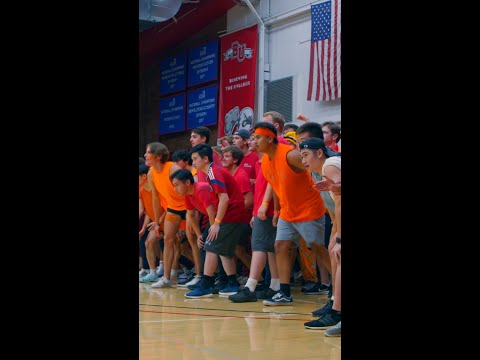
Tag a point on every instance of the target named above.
point(224, 316)
point(189, 319)
point(232, 310)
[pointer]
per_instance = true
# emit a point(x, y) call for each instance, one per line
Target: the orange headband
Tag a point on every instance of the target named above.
point(265, 132)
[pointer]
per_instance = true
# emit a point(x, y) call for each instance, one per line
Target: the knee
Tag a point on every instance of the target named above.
point(281, 247)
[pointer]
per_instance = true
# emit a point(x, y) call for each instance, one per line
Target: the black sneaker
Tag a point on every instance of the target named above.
point(185, 279)
point(244, 295)
point(328, 320)
point(220, 284)
point(326, 308)
point(308, 285)
point(266, 294)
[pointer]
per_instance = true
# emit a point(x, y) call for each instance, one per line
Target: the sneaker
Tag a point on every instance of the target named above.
point(143, 273)
point(242, 280)
point(244, 295)
point(149, 278)
point(317, 289)
point(221, 282)
point(185, 279)
point(200, 292)
point(230, 289)
point(278, 299)
point(159, 270)
point(322, 311)
point(334, 330)
point(308, 285)
point(162, 283)
point(328, 320)
point(266, 294)
point(196, 279)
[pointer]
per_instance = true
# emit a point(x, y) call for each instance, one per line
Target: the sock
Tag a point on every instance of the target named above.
point(285, 289)
point(208, 280)
point(153, 271)
point(332, 298)
point(251, 284)
point(275, 284)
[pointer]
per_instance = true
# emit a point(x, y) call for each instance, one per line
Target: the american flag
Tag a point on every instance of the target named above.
point(324, 76)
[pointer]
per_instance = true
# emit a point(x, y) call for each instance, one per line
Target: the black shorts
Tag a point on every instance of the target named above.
point(226, 241)
point(181, 213)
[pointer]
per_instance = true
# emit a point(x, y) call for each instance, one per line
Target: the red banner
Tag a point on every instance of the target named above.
point(238, 69)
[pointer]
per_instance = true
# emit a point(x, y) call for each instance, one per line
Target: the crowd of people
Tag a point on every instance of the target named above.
point(264, 201)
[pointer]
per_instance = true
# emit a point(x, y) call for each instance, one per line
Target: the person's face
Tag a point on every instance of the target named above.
point(142, 179)
point(227, 160)
point(262, 142)
point(302, 136)
point(224, 144)
point(327, 136)
point(197, 162)
point(309, 159)
point(196, 139)
point(252, 145)
point(238, 141)
point(180, 187)
point(269, 119)
point(149, 157)
point(182, 164)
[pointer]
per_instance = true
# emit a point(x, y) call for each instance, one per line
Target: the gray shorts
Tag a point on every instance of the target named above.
point(311, 231)
point(226, 241)
point(263, 235)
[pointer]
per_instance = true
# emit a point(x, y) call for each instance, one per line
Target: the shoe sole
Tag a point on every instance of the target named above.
point(199, 297)
point(271, 303)
point(318, 327)
point(243, 301)
point(332, 335)
point(228, 293)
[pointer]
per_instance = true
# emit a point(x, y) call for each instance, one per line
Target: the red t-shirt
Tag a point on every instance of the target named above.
point(261, 187)
point(201, 198)
point(222, 182)
point(243, 182)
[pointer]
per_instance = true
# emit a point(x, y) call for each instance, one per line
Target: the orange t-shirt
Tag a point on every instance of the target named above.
point(164, 186)
point(146, 197)
point(298, 200)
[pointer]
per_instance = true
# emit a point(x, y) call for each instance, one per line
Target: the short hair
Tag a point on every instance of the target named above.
point(182, 154)
point(203, 150)
point(277, 119)
point(236, 152)
point(227, 138)
point(141, 161)
point(312, 128)
point(203, 131)
point(159, 149)
point(266, 125)
point(334, 128)
point(143, 169)
point(291, 126)
point(217, 149)
point(182, 175)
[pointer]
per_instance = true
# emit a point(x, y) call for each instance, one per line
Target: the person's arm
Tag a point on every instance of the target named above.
point(276, 209)
point(141, 210)
point(155, 203)
point(294, 160)
point(262, 210)
point(222, 209)
point(248, 199)
point(302, 117)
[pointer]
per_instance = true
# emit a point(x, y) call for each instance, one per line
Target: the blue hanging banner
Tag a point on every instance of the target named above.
point(173, 74)
point(202, 107)
point(203, 63)
point(172, 114)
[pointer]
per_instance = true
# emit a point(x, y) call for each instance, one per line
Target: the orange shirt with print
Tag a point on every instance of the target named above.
point(298, 200)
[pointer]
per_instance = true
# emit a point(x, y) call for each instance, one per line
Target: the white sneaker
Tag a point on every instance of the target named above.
point(142, 273)
point(194, 281)
point(162, 283)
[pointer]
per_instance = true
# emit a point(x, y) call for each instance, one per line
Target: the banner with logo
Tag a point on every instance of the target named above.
point(238, 69)
point(202, 107)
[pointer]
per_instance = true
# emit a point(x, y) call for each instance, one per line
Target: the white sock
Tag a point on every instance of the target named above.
point(251, 284)
point(275, 284)
point(332, 298)
point(153, 271)
point(173, 274)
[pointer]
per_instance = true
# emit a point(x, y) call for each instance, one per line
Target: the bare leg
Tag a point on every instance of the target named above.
point(284, 262)
point(171, 229)
point(228, 265)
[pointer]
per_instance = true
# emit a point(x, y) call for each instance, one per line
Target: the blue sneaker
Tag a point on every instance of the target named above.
point(278, 299)
point(200, 292)
point(230, 289)
point(148, 278)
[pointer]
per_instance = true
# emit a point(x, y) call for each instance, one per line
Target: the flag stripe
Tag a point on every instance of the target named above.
point(325, 51)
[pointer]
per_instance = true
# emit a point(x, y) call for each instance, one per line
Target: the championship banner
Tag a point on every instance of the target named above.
point(238, 69)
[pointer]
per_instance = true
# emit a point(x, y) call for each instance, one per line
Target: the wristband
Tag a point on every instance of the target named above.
point(338, 240)
point(218, 221)
point(264, 203)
